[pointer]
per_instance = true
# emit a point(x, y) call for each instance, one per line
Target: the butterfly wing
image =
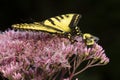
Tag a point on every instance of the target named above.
point(36, 26)
point(57, 24)
point(63, 23)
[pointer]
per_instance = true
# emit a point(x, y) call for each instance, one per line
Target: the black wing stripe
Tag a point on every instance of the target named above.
point(74, 21)
point(57, 18)
point(50, 20)
point(61, 16)
point(66, 15)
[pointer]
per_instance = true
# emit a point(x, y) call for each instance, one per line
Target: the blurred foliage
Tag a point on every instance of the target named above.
point(99, 17)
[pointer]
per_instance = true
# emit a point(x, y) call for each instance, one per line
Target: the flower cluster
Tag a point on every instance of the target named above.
point(29, 55)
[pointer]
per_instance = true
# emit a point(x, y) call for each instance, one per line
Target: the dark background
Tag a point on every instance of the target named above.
point(99, 17)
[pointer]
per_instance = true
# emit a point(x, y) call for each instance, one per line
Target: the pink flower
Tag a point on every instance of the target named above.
point(39, 55)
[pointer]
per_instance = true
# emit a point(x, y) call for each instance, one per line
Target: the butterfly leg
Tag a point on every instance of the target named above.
point(71, 38)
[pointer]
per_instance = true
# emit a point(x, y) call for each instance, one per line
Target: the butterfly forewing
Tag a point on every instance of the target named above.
point(37, 26)
point(63, 22)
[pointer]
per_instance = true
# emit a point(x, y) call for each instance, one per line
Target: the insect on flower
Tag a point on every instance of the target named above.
point(65, 25)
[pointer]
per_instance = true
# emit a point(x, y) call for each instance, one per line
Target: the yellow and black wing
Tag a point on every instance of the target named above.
point(66, 23)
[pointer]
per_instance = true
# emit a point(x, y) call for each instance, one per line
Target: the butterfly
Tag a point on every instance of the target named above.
point(65, 25)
